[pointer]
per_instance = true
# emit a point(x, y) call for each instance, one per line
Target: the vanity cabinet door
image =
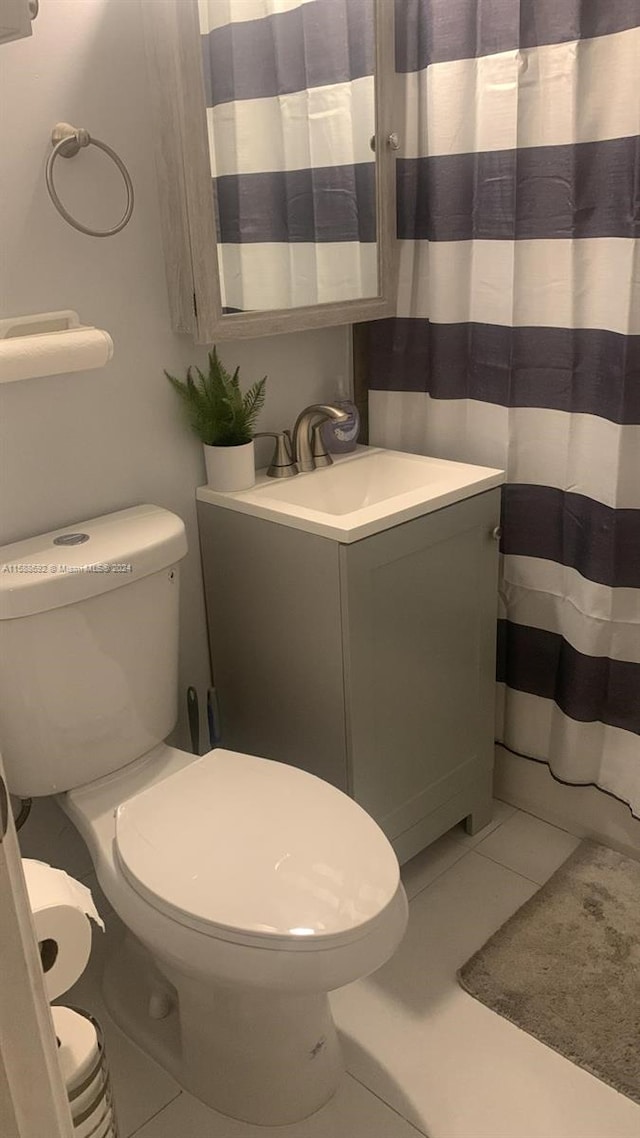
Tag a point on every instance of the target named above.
point(419, 632)
point(273, 613)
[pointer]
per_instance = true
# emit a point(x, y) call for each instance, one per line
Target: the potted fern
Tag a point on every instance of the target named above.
point(223, 418)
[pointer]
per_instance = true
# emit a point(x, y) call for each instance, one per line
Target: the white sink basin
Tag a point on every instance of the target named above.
point(346, 487)
point(361, 494)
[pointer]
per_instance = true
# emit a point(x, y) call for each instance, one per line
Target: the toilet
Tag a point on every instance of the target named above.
point(249, 889)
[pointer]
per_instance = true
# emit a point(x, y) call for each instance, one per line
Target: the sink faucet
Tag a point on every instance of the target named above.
point(309, 454)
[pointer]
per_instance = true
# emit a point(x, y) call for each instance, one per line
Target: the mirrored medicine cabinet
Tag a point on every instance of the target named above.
point(275, 159)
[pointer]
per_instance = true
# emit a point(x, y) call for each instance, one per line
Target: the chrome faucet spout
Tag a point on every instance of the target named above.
point(302, 446)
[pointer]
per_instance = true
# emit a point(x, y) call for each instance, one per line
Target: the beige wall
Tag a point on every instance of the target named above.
point(75, 446)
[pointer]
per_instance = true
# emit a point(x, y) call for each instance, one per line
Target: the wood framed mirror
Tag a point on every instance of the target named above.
point(276, 162)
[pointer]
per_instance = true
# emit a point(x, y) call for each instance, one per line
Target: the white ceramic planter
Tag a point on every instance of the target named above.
point(230, 468)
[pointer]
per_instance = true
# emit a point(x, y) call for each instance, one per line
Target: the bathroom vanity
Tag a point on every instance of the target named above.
point(352, 625)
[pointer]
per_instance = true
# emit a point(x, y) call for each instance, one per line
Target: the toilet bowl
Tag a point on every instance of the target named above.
point(253, 889)
point(249, 889)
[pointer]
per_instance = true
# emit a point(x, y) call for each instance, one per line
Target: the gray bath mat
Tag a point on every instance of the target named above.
point(566, 966)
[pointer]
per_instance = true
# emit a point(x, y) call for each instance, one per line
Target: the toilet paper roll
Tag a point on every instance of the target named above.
point(61, 909)
point(106, 1128)
point(84, 1073)
point(52, 353)
point(78, 1050)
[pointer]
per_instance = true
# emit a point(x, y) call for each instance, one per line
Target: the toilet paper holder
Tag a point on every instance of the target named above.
point(38, 323)
point(50, 343)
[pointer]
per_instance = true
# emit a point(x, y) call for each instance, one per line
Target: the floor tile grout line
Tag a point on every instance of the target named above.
point(384, 1102)
point(132, 1133)
point(495, 829)
point(467, 850)
point(476, 849)
point(433, 880)
point(503, 865)
point(545, 821)
point(465, 844)
point(529, 880)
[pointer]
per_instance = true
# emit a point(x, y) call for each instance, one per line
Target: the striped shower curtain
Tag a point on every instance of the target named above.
point(289, 89)
point(517, 342)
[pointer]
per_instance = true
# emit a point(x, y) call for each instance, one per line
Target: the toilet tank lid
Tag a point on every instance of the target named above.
point(87, 558)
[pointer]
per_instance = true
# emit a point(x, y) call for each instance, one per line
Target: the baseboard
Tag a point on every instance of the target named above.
point(582, 810)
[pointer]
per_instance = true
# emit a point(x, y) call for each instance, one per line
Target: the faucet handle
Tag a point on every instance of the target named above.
point(282, 464)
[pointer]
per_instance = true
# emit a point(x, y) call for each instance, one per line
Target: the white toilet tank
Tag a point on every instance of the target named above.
point(88, 647)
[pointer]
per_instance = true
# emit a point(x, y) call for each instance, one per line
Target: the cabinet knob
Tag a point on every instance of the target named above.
point(496, 533)
point(393, 141)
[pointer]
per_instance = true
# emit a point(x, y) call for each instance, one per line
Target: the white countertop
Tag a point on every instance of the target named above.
point(362, 493)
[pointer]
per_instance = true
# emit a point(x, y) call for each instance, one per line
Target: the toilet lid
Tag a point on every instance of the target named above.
point(240, 847)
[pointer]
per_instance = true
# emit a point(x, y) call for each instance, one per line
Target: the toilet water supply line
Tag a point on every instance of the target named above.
point(213, 719)
point(20, 818)
point(193, 712)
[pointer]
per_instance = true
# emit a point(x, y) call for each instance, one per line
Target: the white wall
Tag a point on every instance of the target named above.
point(75, 446)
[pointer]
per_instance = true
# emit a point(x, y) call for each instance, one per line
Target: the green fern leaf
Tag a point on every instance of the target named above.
point(216, 410)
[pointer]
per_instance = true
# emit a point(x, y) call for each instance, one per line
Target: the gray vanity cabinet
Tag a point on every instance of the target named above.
point(371, 664)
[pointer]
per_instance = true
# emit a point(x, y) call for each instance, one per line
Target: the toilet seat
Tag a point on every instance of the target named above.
point(256, 852)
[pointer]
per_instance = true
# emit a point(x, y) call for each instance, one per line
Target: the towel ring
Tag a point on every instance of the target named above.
point(67, 141)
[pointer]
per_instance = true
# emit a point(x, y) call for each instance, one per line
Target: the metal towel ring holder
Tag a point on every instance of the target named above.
point(67, 141)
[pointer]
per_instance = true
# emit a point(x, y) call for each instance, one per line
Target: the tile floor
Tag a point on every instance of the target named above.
point(423, 1057)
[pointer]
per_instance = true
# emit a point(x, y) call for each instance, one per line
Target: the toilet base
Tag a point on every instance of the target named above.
point(258, 1056)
